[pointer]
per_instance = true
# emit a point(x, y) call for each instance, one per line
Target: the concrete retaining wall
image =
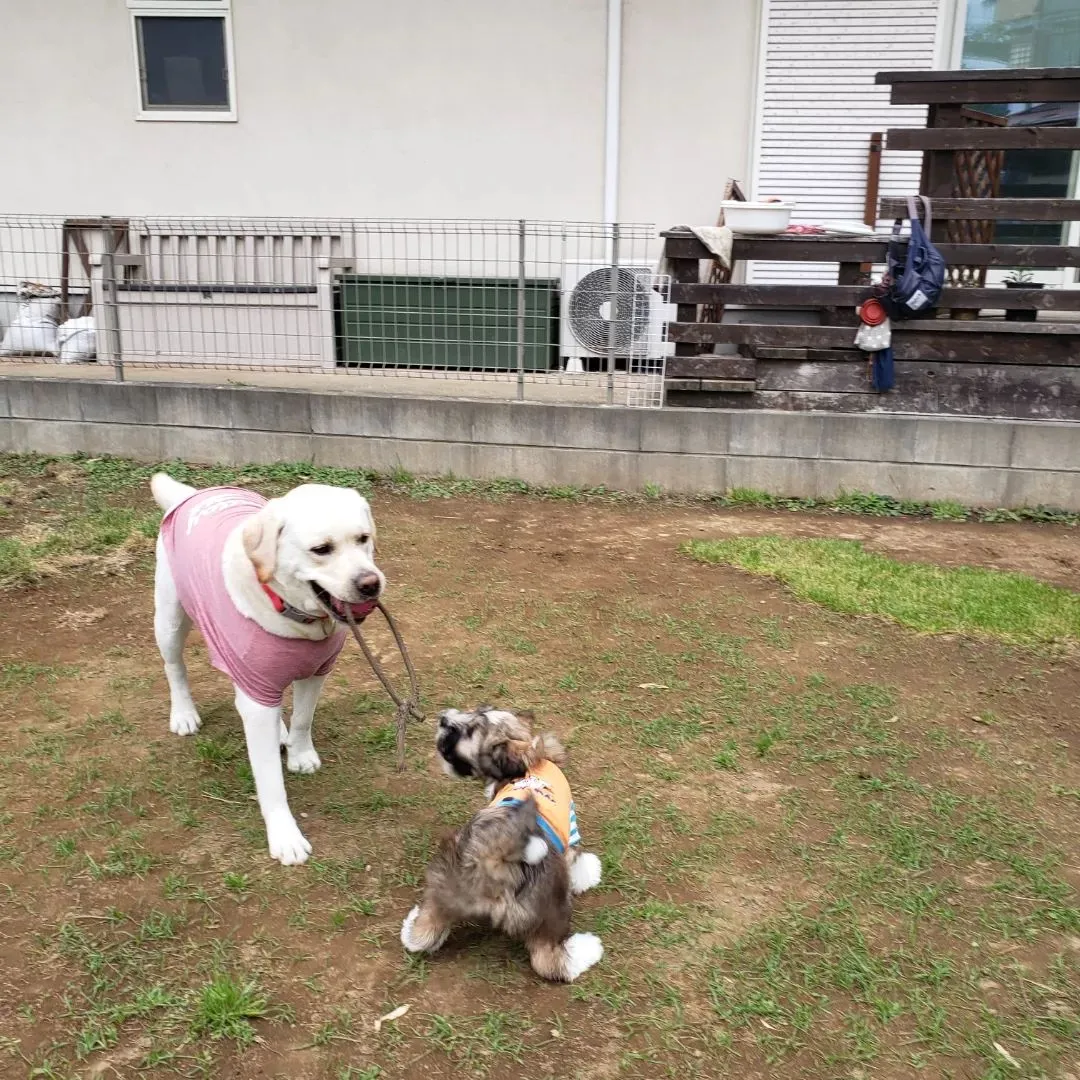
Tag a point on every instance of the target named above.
point(975, 461)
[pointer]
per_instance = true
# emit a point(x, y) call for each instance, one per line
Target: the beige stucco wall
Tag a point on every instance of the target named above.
point(689, 69)
point(420, 108)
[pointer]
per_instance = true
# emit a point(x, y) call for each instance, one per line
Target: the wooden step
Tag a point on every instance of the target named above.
point(819, 296)
point(710, 366)
point(713, 386)
point(956, 341)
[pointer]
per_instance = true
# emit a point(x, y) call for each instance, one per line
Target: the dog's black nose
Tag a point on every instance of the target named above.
point(367, 585)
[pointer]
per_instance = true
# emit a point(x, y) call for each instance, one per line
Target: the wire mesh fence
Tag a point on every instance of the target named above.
point(514, 304)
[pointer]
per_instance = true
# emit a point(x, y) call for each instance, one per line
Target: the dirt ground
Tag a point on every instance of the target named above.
point(832, 847)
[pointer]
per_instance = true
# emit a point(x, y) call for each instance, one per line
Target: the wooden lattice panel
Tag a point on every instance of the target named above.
point(976, 175)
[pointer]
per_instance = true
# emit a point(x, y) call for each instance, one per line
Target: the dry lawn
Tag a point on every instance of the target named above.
point(833, 846)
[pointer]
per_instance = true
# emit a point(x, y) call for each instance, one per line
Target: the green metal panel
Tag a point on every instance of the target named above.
point(467, 324)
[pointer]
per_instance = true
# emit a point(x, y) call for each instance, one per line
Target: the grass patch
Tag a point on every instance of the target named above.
point(108, 476)
point(17, 673)
point(842, 576)
point(142, 976)
point(81, 525)
point(74, 541)
point(225, 1007)
point(473, 1041)
point(670, 732)
point(16, 563)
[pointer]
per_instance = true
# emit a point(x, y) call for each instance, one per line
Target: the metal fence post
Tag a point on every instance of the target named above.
point(613, 311)
point(110, 316)
point(521, 312)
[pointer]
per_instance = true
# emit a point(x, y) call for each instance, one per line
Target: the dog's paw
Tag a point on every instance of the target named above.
point(582, 951)
point(287, 843)
point(536, 850)
point(585, 872)
point(407, 937)
point(184, 721)
point(414, 941)
point(302, 760)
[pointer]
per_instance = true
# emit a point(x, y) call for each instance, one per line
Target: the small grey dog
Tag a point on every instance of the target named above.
point(517, 862)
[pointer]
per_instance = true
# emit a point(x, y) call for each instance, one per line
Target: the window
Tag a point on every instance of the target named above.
point(1029, 33)
point(183, 58)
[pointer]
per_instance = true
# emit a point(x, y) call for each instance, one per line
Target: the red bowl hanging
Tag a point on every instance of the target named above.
point(872, 313)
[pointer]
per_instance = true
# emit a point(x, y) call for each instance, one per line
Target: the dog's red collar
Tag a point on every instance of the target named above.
point(279, 604)
point(288, 610)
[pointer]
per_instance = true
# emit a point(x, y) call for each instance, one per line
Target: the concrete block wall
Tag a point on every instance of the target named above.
point(977, 461)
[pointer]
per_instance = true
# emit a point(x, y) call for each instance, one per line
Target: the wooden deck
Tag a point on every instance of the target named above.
point(967, 358)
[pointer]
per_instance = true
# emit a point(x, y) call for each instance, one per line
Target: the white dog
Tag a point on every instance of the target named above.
point(268, 585)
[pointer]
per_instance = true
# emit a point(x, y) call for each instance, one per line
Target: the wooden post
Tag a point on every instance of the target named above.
point(938, 170)
point(684, 272)
point(873, 179)
point(939, 166)
point(873, 186)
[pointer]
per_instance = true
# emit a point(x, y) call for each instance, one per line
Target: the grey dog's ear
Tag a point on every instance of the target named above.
point(515, 757)
point(547, 747)
point(260, 538)
point(510, 759)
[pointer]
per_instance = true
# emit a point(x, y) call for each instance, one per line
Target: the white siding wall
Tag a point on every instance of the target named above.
point(820, 105)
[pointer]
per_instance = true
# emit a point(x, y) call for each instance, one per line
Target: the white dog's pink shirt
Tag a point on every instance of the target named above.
point(261, 664)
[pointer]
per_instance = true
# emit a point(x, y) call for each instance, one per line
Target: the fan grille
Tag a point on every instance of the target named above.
point(629, 310)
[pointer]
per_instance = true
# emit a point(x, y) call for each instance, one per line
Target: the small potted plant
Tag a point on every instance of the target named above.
point(1020, 278)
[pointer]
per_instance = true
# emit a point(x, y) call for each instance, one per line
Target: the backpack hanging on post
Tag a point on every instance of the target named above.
point(913, 287)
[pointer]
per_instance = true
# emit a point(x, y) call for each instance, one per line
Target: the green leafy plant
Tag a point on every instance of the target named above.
point(1019, 275)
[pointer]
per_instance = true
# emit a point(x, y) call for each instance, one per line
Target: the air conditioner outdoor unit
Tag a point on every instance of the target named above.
point(587, 309)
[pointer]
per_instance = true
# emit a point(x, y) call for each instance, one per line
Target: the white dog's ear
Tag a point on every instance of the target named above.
point(260, 538)
point(371, 522)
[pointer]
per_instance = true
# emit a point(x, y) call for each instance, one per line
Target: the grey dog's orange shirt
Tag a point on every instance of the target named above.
point(556, 813)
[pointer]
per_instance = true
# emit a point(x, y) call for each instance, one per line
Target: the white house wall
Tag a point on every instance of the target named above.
point(689, 69)
point(420, 108)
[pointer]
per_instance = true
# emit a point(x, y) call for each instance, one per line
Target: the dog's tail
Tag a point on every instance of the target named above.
point(168, 492)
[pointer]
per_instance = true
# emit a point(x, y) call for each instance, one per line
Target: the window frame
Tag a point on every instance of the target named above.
point(181, 9)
